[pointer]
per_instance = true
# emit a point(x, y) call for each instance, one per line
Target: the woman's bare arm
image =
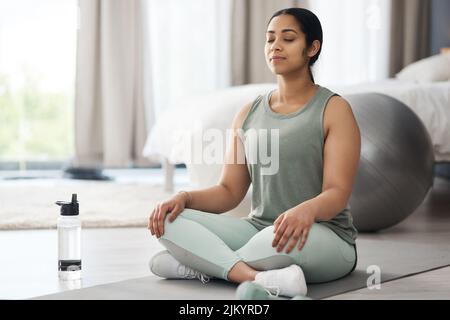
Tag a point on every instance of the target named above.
point(341, 157)
point(234, 181)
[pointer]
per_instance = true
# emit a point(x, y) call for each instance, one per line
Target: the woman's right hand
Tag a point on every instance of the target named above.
point(174, 206)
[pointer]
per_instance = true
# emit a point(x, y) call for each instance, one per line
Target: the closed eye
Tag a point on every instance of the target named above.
point(288, 40)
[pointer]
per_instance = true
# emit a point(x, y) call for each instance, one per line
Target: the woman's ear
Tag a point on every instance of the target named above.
point(314, 48)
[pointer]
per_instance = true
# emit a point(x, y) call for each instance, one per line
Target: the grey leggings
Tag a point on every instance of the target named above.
point(213, 244)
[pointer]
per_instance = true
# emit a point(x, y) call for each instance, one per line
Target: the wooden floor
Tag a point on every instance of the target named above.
point(28, 258)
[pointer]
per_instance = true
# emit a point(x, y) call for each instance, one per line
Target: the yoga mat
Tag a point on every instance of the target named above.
point(395, 259)
point(418, 244)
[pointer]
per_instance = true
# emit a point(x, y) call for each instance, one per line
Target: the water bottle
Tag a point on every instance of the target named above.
point(69, 240)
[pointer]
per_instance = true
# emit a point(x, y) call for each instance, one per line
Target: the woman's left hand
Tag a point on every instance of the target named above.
point(292, 225)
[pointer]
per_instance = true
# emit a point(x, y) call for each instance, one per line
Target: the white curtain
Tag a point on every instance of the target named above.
point(355, 43)
point(189, 48)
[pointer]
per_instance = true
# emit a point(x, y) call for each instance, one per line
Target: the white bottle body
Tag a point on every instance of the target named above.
point(69, 247)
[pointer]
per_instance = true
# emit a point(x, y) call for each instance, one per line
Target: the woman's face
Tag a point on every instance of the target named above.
point(285, 47)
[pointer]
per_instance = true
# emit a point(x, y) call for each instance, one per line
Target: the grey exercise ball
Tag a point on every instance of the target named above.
point(396, 165)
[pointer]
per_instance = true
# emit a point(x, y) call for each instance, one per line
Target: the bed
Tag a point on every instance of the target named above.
point(430, 101)
point(170, 139)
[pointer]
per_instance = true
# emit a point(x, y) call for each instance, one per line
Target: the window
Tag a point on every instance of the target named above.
point(37, 79)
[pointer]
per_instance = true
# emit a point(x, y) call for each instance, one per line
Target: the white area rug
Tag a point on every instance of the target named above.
point(31, 204)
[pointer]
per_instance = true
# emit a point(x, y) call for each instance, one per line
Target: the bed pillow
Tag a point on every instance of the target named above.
point(431, 69)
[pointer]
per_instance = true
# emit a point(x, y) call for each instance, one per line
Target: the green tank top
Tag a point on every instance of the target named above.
point(298, 175)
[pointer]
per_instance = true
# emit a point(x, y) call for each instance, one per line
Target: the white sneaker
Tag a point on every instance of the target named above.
point(164, 265)
point(289, 281)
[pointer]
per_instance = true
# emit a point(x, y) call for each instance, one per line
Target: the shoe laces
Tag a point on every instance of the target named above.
point(189, 273)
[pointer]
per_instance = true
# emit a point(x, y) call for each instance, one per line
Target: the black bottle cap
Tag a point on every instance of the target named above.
point(69, 208)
